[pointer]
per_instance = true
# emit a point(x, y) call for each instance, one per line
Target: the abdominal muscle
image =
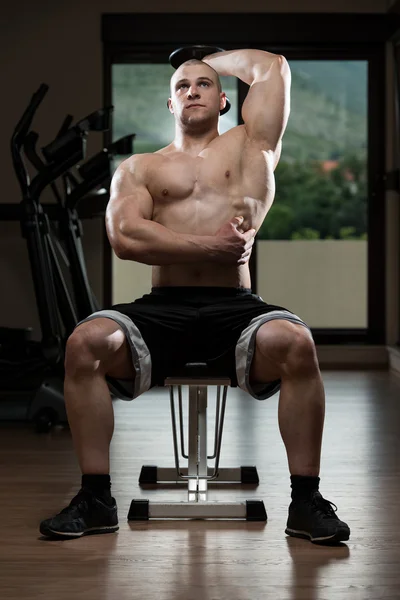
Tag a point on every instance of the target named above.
point(201, 275)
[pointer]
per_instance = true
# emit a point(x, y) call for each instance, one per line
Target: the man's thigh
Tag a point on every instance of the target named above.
point(157, 335)
point(232, 330)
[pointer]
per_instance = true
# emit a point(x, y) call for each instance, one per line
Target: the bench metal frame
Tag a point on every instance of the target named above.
point(198, 474)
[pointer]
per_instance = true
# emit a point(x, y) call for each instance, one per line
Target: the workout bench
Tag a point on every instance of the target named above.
point(197, 474)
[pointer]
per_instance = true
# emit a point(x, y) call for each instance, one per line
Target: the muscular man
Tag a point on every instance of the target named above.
point(192, 210)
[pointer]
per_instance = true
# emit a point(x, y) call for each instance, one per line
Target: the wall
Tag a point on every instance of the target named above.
point(60, 44)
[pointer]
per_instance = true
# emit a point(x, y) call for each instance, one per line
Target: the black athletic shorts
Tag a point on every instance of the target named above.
point(173, 326)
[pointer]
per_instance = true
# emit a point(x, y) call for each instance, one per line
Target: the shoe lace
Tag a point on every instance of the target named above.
point(324, 506)
point(82, 498)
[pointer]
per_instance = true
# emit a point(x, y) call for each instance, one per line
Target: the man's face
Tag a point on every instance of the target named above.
point(195, 96)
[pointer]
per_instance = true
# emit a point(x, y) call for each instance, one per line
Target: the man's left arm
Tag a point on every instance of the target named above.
point(266, 108)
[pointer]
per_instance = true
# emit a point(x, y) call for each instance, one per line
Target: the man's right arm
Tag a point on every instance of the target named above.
point(132, 233)
point(134, 236)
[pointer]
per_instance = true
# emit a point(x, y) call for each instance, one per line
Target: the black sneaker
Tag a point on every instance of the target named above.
point(314, 519)
point(85, 515)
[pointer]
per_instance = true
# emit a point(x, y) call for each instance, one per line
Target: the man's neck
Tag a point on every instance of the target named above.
point(193, 142)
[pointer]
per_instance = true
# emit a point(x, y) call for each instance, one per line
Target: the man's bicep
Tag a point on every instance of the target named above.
point(266, 109)
point(130, 203)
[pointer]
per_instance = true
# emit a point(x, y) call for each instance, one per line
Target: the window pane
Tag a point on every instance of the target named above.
point(312, 247)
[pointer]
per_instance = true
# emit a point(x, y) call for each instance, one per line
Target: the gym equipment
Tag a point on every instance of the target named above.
point(95, 172)
point(31, 373)
point(62, 154)
point(197, 376)
point(38, 367)
point(181, 55)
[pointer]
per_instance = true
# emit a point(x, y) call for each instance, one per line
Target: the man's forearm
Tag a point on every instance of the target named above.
point(244, 64)
point(153, 244)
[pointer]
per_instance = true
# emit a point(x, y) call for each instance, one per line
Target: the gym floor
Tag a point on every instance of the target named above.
point(204, 560)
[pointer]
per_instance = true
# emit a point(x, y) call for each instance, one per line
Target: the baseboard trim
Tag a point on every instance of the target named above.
point(354, 357)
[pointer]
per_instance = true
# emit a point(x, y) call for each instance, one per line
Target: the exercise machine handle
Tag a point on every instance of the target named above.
point(19, 134)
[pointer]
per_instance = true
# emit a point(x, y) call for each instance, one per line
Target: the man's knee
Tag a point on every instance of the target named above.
point(287, 345)
point(302, 356)
point(93, 345)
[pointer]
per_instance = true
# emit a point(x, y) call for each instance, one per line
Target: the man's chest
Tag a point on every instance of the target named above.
point(227, 172)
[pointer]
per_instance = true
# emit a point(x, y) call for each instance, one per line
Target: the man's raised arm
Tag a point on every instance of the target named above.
point(134, 236)
point(266, 108)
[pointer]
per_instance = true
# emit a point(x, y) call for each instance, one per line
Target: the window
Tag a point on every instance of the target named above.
point(318, 268)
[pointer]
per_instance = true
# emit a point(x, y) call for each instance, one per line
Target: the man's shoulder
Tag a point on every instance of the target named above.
point(137, 160)
point(138, 164)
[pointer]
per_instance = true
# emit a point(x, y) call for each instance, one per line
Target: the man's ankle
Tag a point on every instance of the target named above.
point(98, 484)
point(303, 486)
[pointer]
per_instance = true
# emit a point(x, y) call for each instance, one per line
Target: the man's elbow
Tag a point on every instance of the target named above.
point(122, 249)
point(122, 244)
point(280, 60)
point(281, 72)
point(272, 69)
point(283, 65)
point(121, 252)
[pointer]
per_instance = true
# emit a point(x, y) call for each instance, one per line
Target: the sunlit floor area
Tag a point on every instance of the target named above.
point(212, 560)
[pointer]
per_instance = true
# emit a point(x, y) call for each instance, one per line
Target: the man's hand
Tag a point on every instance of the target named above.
point(235, 247)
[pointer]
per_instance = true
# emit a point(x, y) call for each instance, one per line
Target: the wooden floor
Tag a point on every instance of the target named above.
point(210, 560)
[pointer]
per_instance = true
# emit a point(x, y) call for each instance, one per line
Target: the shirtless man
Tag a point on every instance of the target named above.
point(192, 210)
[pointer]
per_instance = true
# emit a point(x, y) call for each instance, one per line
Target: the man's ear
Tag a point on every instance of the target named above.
point(222, 100)
point(169, 106)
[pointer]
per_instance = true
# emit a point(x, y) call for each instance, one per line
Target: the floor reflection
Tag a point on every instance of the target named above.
point(308, 563)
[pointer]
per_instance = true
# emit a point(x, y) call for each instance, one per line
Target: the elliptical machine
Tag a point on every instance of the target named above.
point(32, 373)
point(96, 172)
